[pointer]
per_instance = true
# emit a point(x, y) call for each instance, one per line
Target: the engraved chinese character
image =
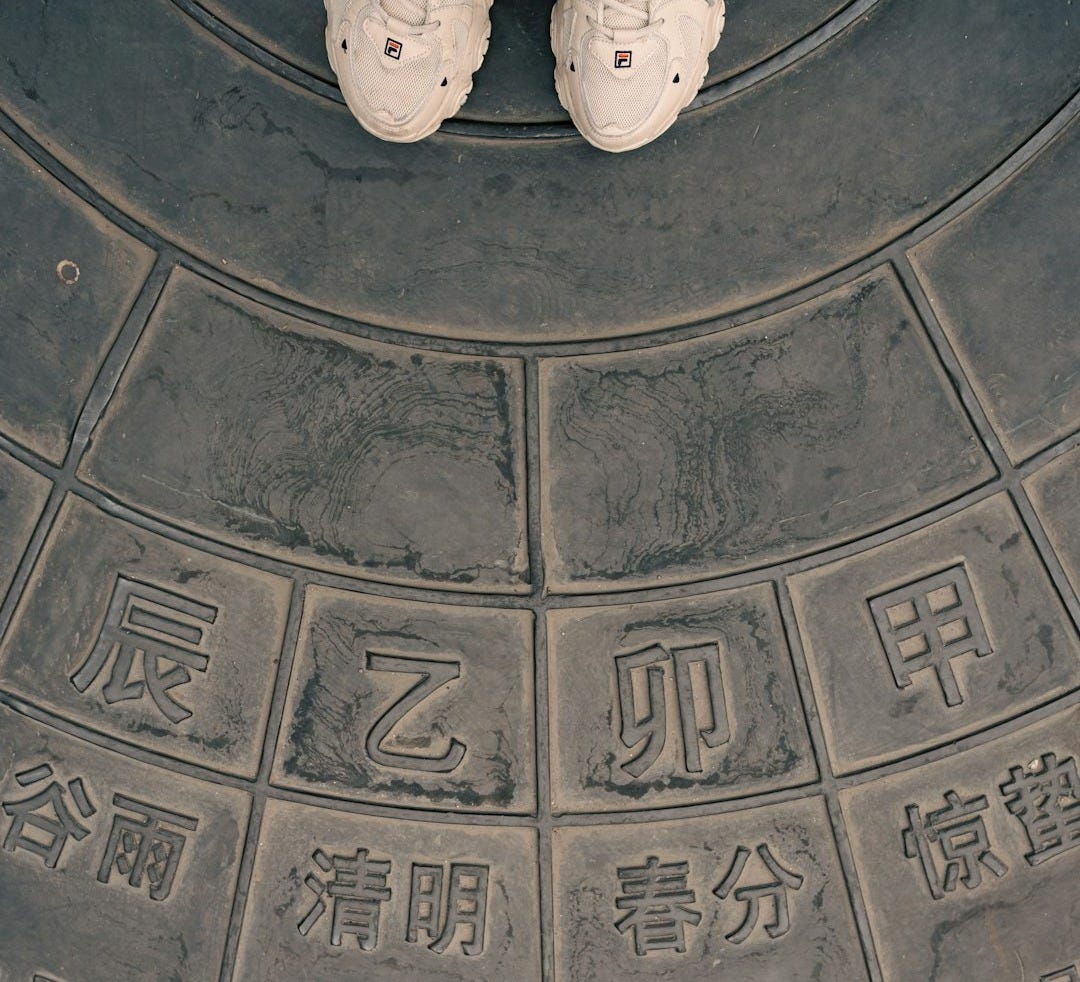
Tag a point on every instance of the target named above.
point(143, 844)
point(466, 907)
point(356, 893)
point(775, 889)
point(48, 813)
point(154, 633)
point(646, 726)
point(960, 834)
point(929, 623)
point(434, 674)
point(1045, 796)
point(658, 901)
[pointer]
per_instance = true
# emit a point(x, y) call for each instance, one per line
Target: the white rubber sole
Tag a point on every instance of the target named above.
point(454, 98)
point(714, 29)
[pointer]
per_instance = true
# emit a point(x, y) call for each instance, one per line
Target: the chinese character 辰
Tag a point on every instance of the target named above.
point(144, 845)
point(647, 727)
point(927, 624)
point(465, 908)
point(777, 888)
point(960, 833)
point(357, 891)
point(161, 633)
point(658, 899)
point(1045, 796)
point(57, 827)
point(434, 675)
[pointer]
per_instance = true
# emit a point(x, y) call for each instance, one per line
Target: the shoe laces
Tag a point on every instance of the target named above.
point(628, 15)
point(412, 14)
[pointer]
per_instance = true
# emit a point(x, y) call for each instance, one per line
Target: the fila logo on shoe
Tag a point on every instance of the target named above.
point(393, 49)
point(622, 59)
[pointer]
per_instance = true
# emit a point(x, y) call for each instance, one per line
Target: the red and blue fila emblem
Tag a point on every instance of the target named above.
point(622, 59)
point(393, 49)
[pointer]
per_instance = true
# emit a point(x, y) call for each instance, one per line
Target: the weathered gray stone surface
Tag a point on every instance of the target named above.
point(494, 559)
point(751, 445)
point(514, 85)
point(890, 118)
point(348, 728)
point(1004, 647)
point(87, 905)
point(22, 497)
point(741, 694)
point(496, 870)
point(204, 697)
point(70, 279)
point(1016, 905)
point(389, 462)
point(595, 866)
point(1055, 491)
point(1002, 280)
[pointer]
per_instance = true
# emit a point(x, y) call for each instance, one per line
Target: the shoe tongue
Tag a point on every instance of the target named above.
point(408, 11)
point(619, 21)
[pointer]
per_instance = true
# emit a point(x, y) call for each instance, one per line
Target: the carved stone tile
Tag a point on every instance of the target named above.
point(69, 280)
point(337, 897)
point(935, 635)
point(110, 869)
point(688, 460)
point(753, 895)
point(153, 642)
point(969, 865)
point(370, 459)
point(415, 704)
point(672, 702)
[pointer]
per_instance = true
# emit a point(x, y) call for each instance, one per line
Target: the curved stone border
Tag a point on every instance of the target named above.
point(721, 89)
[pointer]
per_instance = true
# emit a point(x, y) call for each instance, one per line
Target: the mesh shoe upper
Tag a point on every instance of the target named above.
point(396, 85)
point(617, 98)
point(405, 65)
point(624, 68)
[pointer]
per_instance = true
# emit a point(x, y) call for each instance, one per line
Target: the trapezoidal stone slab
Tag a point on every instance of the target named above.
point(70, 279)
point(155, 643)
point(690, 460)
point(1001, 278)
point(338, 897)
point(320, 448)
point(414, 704)
point(674, 702)
point(969, 866)
point(1055, 493)
point(110, 869)
point(748, 896)
point(933, 636)
point(23, 493)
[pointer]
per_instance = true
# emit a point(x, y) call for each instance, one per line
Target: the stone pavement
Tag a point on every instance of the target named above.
point(494, 559)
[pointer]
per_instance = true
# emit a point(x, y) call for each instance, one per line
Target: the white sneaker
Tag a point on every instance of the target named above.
point(625, 68)
point(406, 65)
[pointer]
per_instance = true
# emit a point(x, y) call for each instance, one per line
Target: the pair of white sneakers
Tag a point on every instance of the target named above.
point(623, 68)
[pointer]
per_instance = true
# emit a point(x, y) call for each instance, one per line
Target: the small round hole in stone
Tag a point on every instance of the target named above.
point(68, 272)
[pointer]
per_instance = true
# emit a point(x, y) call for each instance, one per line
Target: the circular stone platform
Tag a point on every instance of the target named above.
point(494, 559)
